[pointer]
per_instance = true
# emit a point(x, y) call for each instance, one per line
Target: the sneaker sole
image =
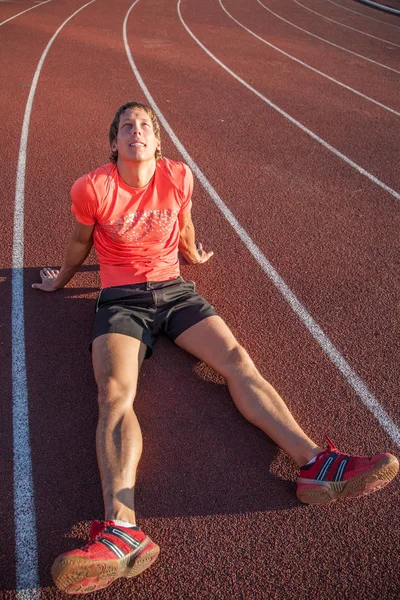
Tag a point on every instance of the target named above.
point(79, 575)
point(324, 492)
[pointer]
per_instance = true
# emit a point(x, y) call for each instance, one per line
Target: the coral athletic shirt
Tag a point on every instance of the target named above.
point(136, 230)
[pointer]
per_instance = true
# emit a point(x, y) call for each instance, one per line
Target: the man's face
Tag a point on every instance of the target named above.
point(136, 140)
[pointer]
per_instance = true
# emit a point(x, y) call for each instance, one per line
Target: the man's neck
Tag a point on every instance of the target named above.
point(136, 174)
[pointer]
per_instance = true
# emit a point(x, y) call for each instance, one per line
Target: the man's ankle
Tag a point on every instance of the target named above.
point(308, 456)
point(121, 523)
point(128, 516)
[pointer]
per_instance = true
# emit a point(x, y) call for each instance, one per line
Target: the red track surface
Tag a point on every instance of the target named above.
point(213, 492)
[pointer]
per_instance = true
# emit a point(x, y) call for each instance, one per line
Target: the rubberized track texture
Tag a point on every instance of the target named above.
point(297, 192)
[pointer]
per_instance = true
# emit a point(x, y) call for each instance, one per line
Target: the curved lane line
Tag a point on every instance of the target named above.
point(327, 41)
point(308, 66)
point(346, 26)
point(319, 336)
point(26, 554)
point(361, 15)
point(24, 11)
point(313, 135)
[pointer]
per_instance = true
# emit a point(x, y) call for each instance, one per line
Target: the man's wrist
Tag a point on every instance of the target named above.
point(63, 278)
point(191, 256)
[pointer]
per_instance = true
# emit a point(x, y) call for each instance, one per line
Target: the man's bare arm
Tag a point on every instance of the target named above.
point(193, 253)
point(79, 246)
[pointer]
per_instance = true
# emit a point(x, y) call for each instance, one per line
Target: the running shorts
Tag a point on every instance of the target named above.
point(143, 310)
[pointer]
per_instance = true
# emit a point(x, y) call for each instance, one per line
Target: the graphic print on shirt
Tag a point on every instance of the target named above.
point(146, 225)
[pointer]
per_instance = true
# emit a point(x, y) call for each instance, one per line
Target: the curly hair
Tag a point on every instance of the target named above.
point(115, 123)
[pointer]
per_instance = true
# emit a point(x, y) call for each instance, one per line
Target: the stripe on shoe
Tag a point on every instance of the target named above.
point(124, 536)
point(325, 467)
point(341, 468)
point(111, 546)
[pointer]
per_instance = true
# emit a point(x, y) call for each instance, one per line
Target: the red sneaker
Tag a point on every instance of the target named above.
point(112, 552)
point(336, 475)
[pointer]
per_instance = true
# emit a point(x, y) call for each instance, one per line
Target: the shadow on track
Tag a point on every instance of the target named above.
point(7, 543)
point(200, 456)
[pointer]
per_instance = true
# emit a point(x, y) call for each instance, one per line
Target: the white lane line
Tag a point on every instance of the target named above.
point(361, 14)
point(326, 41)
point(346, 26)
point(308, 66)
point(24, 11)
point(313, 135)
point(26, 554)
point(338, 360)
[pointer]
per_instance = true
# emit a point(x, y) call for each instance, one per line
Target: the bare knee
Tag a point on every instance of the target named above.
point(115, 395)
point(237, 363)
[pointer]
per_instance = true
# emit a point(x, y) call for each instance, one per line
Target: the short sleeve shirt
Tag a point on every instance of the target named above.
point(136, 230)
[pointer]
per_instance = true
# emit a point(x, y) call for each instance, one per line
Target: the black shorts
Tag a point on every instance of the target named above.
point(143, 310)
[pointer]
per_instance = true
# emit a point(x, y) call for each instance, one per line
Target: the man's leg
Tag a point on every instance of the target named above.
point(117, 360)
point(117, 547)
point(212, 342)
point(333, 474)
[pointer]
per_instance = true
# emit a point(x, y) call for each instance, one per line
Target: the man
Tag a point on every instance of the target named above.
point(136, 211)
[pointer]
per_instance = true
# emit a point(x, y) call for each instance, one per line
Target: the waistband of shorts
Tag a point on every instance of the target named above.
point(145, 285)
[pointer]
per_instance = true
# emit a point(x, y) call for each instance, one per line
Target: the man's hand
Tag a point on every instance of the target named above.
point(78, 249)
point(204, 256)
point(48, 277)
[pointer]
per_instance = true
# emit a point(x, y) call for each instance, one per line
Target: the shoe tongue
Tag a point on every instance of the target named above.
point(95, 528)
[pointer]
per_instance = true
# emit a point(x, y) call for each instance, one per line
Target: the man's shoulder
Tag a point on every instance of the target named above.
point(173, 167)
point(102, 174)
point(181, 177)
point(99, 180)
point(94, 185)
point(177, 172)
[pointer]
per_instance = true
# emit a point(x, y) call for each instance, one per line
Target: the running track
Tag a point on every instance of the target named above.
point(213, 491)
